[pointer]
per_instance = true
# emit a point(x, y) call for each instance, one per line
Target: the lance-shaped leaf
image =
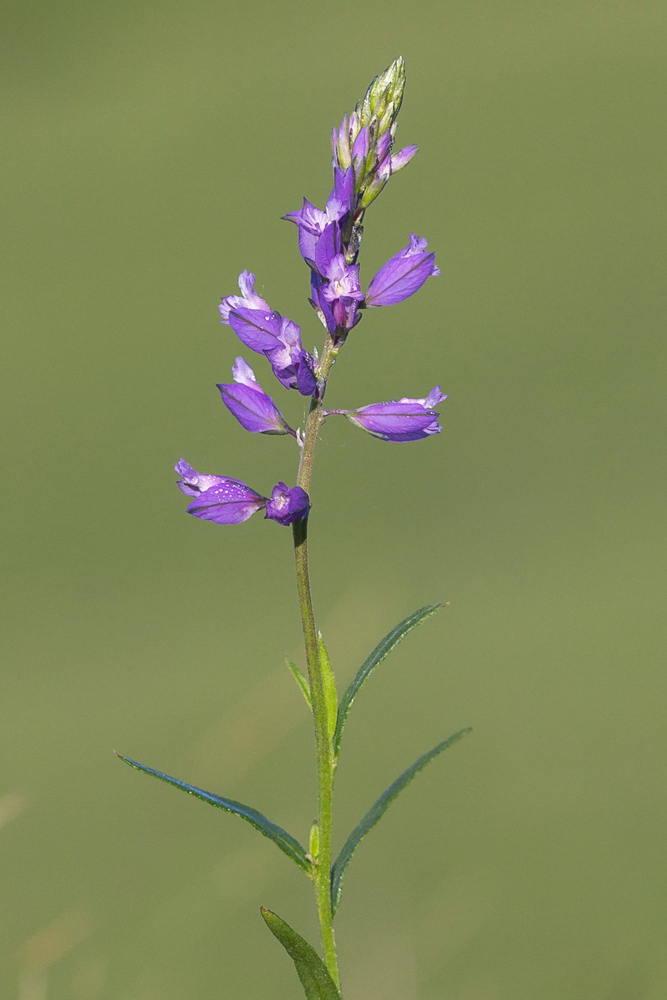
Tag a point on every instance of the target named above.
point(382, 649)
point(313, 973)
point(302, 681)
point(281, 838)
point(376, 812)
point(328, 686)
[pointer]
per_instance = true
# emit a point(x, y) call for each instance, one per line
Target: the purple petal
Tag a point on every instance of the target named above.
point(402, 275)
point(244, 375)
point(286, 355)
point(230, 502)
point(248, 299)
point(253, 409)
point(360, 147)
point(287, 505)
point(403, 157)
point(307, 244)
point(327, 248)
point(306, 382)
point(192, 483)
point(384, 170)
point(256, 329)
point(345, 313)
point(319, 303)
point(434, 397)
point(285, 366)
point(383, 146)
point(290, 334)
point(341, 198)
point(343, 280)
point(286, 374)
point(308, 217)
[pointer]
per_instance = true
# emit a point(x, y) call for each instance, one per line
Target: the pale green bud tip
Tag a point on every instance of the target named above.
point(383, 97)
point(314, 845)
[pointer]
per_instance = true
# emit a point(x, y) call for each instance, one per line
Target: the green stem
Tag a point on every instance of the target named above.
point(323, 746)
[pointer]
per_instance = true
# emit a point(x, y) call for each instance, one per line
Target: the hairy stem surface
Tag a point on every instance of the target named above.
point(323, 745)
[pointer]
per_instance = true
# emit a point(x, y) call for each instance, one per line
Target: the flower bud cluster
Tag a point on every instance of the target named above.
point(365, 138)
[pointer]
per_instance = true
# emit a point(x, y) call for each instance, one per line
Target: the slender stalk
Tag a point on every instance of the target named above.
point(323, 746)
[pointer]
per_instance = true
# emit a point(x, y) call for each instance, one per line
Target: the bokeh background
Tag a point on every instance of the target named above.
point(150, 150)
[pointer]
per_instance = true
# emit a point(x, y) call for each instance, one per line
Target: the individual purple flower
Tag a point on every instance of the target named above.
point(343, 280)
point(312, 221)
point(218, 498)
point(251, 406)
point(402, 275)
point(400, 420)
point(342, 291)
point(291, 365)
point(249, 299)
point(229, 501)
point(287, 505)
point(279, 340)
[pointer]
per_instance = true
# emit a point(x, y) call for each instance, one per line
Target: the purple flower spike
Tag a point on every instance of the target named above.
point(249, 299)
point(251, 406)
point(401, 420)
point(218, 498)
point(287, 505)
point(402, 275)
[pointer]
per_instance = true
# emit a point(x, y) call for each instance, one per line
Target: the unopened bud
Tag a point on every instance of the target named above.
point(365, 139)
point(383, 98)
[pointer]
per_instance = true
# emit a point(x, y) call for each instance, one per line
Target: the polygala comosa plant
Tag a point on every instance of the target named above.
point(364, 160)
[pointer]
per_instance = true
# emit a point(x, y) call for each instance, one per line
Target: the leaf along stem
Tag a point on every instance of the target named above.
point(382, 650)
point(378, 810)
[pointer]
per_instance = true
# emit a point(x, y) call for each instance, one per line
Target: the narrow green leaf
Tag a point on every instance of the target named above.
point(376, 812)
point(301, 681)
point(329, 685)
point(285, 841)
point(382, 649)
point(314, 842)
point(313, 973)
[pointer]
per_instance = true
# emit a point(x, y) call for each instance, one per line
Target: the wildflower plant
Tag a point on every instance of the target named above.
point(329, 241)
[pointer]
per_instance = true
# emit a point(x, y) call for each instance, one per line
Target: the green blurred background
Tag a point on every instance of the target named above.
point(150, 150)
